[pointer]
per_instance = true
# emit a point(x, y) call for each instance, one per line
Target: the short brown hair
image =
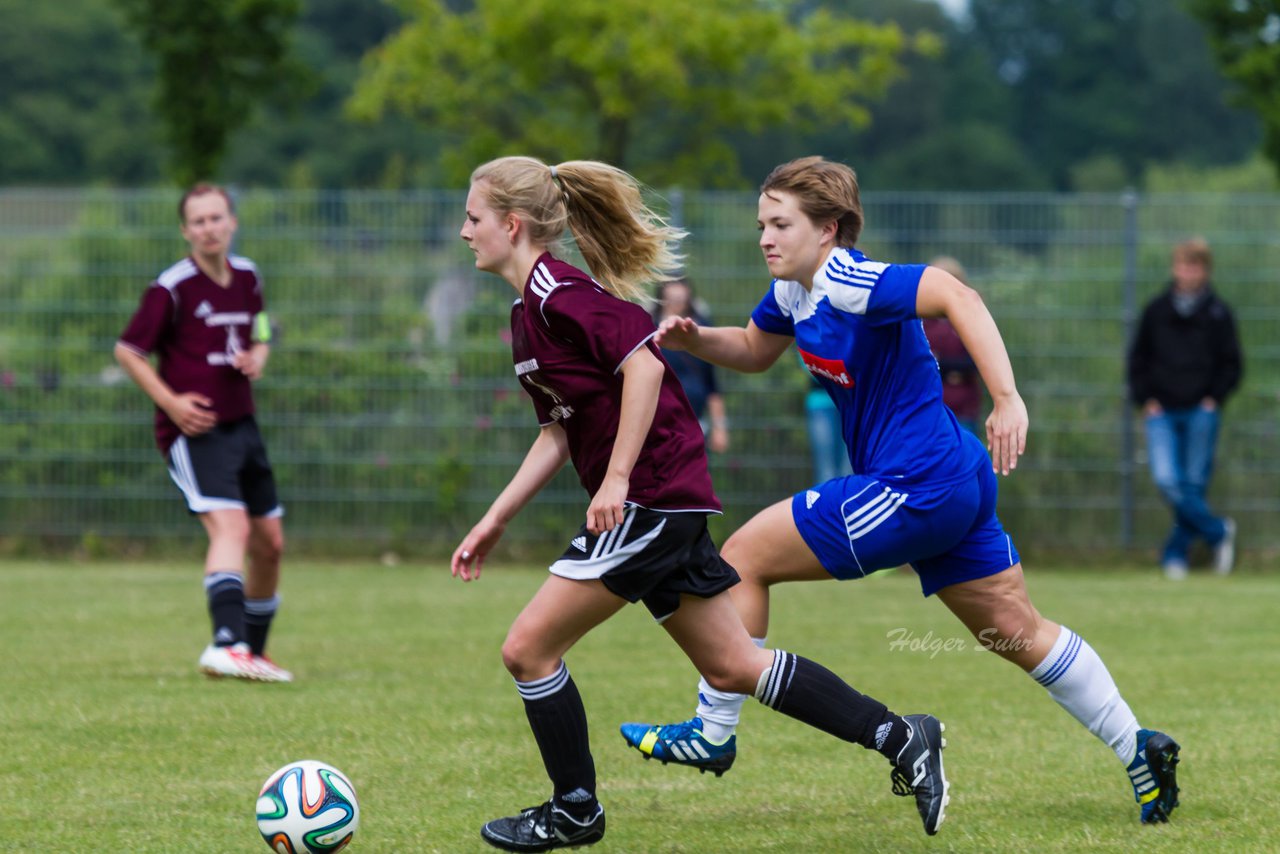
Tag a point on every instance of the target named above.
point(202, 189)
point(1194, 250)
point(827, 192)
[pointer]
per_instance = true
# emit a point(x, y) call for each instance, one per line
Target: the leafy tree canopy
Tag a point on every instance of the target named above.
point(1245, 37)
point(654, 86)
point(216, 61)
point(72, 104)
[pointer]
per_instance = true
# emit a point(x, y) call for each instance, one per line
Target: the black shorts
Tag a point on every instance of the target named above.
point(652, 557)
point(225, 469)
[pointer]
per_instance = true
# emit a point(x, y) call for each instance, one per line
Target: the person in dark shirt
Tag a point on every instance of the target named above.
point(1183, 363)
point(698, 378)
point(606, 401)
point(205, 320)
point(961, 383)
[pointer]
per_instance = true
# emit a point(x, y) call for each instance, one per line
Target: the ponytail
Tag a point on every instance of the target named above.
point(624, 243)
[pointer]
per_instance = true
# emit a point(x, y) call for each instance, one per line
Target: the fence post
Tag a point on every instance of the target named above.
point(1128, 446)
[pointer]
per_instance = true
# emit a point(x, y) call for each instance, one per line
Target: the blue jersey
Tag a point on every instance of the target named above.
point(858, 334)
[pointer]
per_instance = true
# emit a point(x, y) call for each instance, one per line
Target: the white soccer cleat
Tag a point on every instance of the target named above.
point(235, 661)
point(270, 671)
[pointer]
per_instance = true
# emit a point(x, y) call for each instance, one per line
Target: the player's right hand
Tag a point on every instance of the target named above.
point(468, 557)
point(193, 413)
point(676, 333)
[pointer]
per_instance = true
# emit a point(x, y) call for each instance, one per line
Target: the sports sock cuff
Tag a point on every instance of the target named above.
point(215, 581)
point(776, 679)
point(1060, 658)
point(758, 642)
point(262, 607)
point(541, 688)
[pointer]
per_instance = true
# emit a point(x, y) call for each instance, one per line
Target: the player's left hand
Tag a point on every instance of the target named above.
point(250, 362)
point(607, 505)
point(1007, 432)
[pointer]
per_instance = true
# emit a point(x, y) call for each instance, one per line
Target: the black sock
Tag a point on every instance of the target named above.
point(809, 692)
point(559, 722)
point(225, 591)
point(258, 614)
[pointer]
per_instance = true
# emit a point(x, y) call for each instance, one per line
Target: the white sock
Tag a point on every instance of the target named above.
point(720, 710)
point(1076, 677)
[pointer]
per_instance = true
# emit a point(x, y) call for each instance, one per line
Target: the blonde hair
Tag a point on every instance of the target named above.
point(1194, 250)
point(625, 244)
point(827, 192)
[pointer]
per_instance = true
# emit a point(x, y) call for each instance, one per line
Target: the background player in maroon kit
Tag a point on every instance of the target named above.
point(606, 400)
point(203, 317)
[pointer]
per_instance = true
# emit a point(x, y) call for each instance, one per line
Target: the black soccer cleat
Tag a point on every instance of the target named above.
point(918, 770)
point(1154, 774)
point(543, 828)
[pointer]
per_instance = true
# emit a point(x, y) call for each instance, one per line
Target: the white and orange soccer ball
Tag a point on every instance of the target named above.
point(307, 807)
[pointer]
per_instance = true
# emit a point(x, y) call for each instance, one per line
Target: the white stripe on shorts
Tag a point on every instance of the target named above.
point(184, 475)
point(613, 556)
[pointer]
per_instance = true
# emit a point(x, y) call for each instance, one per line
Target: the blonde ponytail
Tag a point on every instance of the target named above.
point(625, 244)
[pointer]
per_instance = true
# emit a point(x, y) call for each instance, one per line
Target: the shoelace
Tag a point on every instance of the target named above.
point(684, 729)
point(901, 785)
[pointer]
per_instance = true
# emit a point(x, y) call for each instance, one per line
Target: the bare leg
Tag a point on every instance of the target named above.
point(765, 551)
point(1000, 615)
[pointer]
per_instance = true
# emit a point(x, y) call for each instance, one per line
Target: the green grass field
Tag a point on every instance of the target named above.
point(112, 741)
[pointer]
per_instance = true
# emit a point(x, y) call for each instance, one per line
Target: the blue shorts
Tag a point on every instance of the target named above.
point(949, 534)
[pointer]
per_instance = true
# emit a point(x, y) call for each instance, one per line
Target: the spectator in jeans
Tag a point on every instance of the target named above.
point(1184, 361)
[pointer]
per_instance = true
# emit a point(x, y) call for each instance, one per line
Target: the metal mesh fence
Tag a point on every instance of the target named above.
point(393, 417)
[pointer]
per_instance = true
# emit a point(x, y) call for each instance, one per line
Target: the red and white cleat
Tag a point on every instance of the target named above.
point(270, 671)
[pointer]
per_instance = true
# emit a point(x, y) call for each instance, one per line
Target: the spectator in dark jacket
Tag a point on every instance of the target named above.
point(1184, 362)
point(675, 298)
point(961, 385)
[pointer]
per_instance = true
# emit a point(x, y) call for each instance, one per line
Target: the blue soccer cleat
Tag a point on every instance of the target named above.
point(683, 744)
point(1153, 773)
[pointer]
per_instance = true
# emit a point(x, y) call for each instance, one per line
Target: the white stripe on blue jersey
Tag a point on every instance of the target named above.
point(858, 334)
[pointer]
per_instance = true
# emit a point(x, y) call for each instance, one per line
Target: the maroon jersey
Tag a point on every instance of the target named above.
point(196, 326)
point(961, 390)
point(569, 338)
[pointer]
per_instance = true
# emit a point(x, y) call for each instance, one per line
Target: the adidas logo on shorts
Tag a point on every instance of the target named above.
point(810, 498)
point(579, 543)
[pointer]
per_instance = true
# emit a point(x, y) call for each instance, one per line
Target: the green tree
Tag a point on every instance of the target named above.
point(1245, 38)
point(1097, 77)
point(656, 86)
point(73, 97)
point(216, 60)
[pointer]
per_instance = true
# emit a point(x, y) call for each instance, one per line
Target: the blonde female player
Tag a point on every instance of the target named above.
point(606, 401)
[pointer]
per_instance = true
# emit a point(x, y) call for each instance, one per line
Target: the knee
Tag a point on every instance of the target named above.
point(269, 546)
point(738, 553)
point(232, 529)
point(522, 656)
point(732, 682)
point(1169, 488)
point(738, 674)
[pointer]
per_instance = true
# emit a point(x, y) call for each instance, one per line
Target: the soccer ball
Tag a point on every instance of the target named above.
point(307, 807)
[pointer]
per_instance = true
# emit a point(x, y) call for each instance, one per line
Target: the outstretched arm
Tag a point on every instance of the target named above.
point(748, 350)
point(942, 295)
point(547, 455)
